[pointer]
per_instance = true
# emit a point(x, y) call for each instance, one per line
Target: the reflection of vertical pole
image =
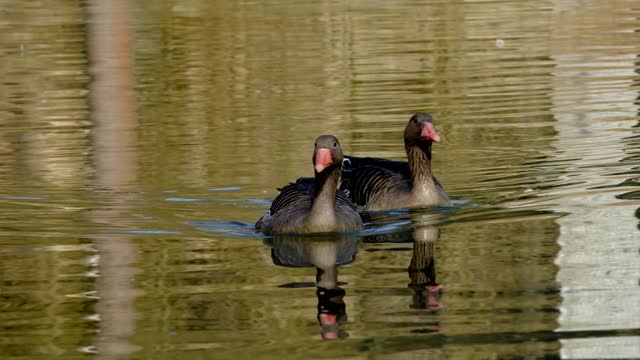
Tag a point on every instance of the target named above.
point(114, 140)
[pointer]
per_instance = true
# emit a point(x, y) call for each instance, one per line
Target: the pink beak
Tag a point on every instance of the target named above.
point(323, 159)
point(328, 319)
point(429, 133)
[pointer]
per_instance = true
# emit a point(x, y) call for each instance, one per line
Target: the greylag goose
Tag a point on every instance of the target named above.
point(314, 205)
point(377, 184)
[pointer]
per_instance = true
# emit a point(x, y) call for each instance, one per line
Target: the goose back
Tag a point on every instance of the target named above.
point(351, 163)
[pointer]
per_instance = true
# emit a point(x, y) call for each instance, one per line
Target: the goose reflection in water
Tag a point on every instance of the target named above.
point(422, 269)
point(325, 254)
point(423, 232)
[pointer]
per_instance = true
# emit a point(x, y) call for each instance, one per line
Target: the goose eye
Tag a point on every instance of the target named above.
point(335, 144)
point(415, 121)
point(315, 145)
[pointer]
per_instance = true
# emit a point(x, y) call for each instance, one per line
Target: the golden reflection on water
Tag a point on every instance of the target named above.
point(115, 159)
point(121, 130)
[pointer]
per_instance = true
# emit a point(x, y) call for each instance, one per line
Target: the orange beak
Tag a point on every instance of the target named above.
point(429, 133)
point(323, 159)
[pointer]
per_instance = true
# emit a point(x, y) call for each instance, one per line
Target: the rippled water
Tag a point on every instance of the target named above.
point(141, 139)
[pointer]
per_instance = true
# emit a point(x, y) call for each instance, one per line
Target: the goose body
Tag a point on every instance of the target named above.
point(376, 184)
point(314, 205)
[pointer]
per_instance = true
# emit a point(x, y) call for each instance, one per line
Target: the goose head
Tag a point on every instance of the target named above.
point(420, 129)
point(327, 153)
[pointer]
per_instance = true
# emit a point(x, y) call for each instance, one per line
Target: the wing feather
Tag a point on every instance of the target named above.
point(300, 194)
point(293, 195)
point(371, 179)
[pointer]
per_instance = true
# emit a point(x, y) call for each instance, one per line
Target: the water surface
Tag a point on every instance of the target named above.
point(141, 139)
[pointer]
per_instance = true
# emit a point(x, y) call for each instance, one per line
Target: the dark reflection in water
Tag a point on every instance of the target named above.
point(422, 230)
point(482, 290)
point(422, 270)
point(478, 308)
point(325, 254)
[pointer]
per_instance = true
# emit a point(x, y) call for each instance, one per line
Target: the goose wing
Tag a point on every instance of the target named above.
point(294, 195)
point(368, 184)
point(306, 184)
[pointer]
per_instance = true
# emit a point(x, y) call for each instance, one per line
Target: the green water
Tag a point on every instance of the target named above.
point(140, 140)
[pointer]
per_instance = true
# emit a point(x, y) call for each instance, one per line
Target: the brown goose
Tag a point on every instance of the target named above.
point(314, 205)
point(378, 184)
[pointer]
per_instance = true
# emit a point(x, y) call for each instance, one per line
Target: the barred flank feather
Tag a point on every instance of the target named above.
point(375, 184)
